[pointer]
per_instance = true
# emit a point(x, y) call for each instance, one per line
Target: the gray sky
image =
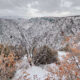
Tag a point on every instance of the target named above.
point(38, 8)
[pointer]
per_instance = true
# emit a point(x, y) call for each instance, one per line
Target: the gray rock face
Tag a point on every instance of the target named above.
point(37, 32)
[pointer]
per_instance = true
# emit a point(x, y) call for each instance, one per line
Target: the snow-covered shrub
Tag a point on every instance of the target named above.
point(45, 55)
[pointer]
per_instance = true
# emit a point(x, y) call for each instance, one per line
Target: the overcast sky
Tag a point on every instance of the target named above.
point(38, 8)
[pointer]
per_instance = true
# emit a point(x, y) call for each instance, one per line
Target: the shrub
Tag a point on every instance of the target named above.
point(20, 51)
point(66, 48)
point(45, 55)
point(7, 66)
point(8, 57)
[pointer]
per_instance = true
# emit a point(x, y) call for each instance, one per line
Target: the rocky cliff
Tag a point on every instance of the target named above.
point(37, 32)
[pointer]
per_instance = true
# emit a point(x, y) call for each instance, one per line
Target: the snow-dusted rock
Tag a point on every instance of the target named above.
point(38, 31)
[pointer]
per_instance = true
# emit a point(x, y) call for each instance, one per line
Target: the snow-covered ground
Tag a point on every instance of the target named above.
point(61, 54)
point(32, 73)
point(27, 72)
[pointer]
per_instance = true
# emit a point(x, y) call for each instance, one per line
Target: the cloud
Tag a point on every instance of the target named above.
point(54, 14)
point(38, 8)
point(66, 3)
point(47, 5)
point(77, 8)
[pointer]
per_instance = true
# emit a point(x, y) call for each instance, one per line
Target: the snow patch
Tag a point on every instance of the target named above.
point(32, 73)
point(37, 73)
point(61, 54)
point(25, 71)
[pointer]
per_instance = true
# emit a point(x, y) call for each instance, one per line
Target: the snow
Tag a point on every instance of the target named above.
point(32, 73)
point(42, 31)
point(61, 54)
point(38, 31)
point(25, 71)
point(37, 73)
